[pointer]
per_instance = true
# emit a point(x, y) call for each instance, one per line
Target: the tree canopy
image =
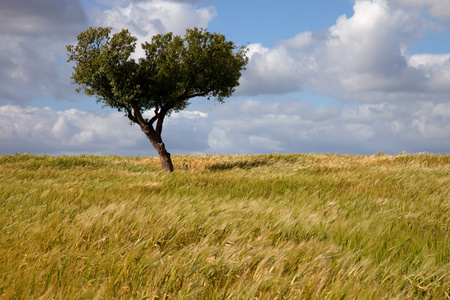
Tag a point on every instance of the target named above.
point(174, 70)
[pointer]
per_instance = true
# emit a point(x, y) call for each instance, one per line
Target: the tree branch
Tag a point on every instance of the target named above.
point(184, 95)
point(197, 95)
point(137, 114)
point(160, 117)
point(155, 117)
point(131, 117)
point(152, 120)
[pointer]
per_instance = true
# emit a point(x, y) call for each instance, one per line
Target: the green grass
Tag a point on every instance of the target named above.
point(225, 227)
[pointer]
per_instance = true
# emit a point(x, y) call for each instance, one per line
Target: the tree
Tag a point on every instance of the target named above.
point(173, 71)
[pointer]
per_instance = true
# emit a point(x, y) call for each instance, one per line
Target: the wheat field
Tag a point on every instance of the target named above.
point(275, 226)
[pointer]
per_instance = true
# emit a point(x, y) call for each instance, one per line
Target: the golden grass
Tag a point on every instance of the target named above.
point(294, 226)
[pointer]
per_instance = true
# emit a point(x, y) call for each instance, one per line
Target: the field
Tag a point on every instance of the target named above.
point(294, 226)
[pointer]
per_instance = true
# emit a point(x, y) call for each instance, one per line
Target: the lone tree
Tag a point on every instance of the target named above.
point(173, 71)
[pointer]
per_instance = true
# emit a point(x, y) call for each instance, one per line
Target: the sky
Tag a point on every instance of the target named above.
point(324, 76)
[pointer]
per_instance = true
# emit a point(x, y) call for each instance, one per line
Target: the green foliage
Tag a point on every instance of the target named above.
point(103, 66)
point(240, 227)
point(174, 70)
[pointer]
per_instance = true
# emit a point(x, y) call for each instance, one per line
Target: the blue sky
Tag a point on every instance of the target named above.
point(336, 76)
point(267, 22)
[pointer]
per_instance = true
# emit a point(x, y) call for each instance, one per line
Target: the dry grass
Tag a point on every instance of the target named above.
point(225, 227)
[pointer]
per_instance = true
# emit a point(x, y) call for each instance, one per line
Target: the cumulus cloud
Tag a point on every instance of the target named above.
point(44, 130)
point(291, 125)
point(33, 36)
point(437, 8)
point(362, 58)
point(31, 68)
point(274, 71)
point(125, 2)
point(36, 130)
point(239, 127)
point(145, 19)
point(436, 69)
point(38, 17)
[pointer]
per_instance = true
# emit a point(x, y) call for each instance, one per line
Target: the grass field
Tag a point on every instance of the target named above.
point(225, 227)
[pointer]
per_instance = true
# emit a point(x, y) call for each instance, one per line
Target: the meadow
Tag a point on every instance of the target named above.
point(290, 226)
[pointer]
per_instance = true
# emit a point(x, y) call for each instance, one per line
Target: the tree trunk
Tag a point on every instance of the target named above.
point(154, 136)
point(164, 156)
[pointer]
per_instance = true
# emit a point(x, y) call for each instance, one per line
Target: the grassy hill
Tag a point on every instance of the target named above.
point(225, 227)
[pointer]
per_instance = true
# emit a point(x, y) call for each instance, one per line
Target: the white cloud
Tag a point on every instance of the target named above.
point(441, 110)
point(145, 19)
point(429, 61)
point(29, 129)
point(63, 129)
point(294, 126)
point(32, 48)
point(125, 2)
point(275, 71)
point(437, 8)
point(218, 140)
point(38, 17)
point(256, 49)
point(246, 126)
point(265, 143)
point(300, 41)
point(33, 67)
point(363, 58)
point(436, 69)
point(189, 114)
